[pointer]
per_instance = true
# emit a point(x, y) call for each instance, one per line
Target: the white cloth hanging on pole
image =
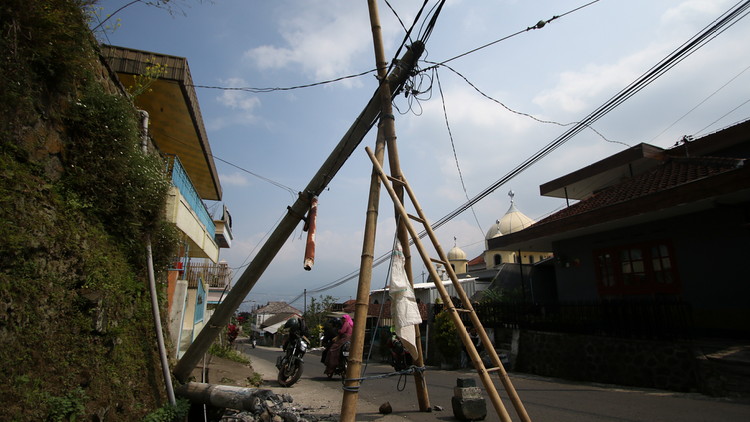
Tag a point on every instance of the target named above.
point(404, 309)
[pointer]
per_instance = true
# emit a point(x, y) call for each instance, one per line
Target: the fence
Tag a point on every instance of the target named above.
point(629, 319)
point(214, 275)
point(182, 181)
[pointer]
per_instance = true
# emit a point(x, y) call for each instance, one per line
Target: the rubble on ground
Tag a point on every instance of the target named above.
point(270, 407)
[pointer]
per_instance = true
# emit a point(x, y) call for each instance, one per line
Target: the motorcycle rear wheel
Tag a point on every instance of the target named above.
point(290, 374)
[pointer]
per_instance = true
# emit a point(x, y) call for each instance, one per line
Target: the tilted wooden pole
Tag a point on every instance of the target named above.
point(275, 241)
point(386, 133)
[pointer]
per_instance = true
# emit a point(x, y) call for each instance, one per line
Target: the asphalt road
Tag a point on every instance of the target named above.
point(545, 399)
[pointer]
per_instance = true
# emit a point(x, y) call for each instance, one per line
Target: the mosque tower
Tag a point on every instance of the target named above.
point(513, 221)
point(457, 259)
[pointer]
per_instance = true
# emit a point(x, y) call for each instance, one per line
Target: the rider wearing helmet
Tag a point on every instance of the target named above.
point(297, 328)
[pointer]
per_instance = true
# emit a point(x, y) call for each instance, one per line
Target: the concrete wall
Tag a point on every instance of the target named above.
point(652, 364)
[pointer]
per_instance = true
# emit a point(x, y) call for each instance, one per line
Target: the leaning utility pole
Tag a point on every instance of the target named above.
point(295, 213)
point(386, 135)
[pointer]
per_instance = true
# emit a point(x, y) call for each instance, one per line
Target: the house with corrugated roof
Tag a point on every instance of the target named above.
point(269, 318)
point(650, 223)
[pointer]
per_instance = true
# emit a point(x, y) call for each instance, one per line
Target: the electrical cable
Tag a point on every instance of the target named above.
point(717, 27)
point(539, 25)
point(289, 88)
point(699, 104)
point(266, 179)
point(725, 115)
point(453, 147)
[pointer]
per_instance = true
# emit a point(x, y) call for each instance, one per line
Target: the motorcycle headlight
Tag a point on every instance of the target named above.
point(303, 346)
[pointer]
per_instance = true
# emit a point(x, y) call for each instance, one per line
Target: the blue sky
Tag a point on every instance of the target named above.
point(559, 73)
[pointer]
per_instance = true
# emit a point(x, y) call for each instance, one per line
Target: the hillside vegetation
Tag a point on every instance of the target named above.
point(77, 201)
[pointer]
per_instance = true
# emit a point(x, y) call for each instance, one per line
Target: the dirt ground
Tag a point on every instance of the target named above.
point(225, 372)
point(312, 397)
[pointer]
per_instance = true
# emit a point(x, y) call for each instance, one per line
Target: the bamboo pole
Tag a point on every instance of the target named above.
point(386, 133)
point(362, 303)
point(286, 226)
point(394, 162)
point(462, 333)
point(504, 378)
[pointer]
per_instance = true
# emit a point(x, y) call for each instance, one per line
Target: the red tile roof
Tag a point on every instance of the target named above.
point(673, 173)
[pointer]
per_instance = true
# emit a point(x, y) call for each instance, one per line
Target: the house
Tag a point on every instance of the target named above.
point(172, 118)
point(655, 224)
point(269, 318)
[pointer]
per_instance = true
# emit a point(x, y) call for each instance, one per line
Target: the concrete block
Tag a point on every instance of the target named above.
point(469, 409)
point(466, 382)
point(467, 392)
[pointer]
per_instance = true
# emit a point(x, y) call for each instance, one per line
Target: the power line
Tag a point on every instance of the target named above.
point(719, 25)
point(266, 179)
point(453, 147)
point(699, 104)
point(725, 115)
point(539, 25)
point(288, 88)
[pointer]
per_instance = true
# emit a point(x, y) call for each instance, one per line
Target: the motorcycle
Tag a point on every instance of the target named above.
point(290, 365)
point(340, 369)
point(400, 357)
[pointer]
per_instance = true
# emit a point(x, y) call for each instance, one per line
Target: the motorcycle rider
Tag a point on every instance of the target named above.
point(297, 329)
point(330, 331)
point(334, 352)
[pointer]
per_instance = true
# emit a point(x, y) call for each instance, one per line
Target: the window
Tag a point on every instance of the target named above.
point(636, 269)
point(498, 259)
point(662, 264)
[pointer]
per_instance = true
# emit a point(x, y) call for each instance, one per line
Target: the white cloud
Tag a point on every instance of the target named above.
point(321, 39)
point(692, 10)
point(242, 106)
point(234, 179)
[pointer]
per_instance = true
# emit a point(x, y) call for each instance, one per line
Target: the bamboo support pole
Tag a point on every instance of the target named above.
point(463, 334)
point(286, 226)
point(386, 133)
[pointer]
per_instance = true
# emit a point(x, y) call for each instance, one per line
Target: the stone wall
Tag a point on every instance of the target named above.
point(667, 365)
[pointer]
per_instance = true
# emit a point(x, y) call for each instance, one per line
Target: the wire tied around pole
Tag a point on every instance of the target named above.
point(410, 370)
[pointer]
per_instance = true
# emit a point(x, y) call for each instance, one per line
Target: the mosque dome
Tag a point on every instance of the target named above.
point(494, 231)
point(456, 254)
point(513, 221)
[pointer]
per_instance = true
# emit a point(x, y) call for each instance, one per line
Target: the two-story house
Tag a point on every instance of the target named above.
point(170, 112)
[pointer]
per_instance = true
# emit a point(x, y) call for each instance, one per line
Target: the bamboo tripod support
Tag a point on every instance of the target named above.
point(484, 373)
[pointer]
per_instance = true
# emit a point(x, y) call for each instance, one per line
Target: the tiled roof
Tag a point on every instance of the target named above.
point(277, 308)
point(375, 308)
point(673, 173)
point(477, 260)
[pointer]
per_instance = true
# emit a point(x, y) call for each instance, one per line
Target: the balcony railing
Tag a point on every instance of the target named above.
point(181, 180)
point(214, 275)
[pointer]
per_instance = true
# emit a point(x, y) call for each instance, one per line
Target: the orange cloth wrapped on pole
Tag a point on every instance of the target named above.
point(310, 227)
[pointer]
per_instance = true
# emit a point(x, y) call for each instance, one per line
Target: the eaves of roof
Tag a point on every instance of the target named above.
point(176, 123)
point(677, 187)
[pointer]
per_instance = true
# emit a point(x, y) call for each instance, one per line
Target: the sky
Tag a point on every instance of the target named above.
point(558, 74)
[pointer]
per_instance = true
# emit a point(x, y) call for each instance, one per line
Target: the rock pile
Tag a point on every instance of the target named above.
point(269, 407)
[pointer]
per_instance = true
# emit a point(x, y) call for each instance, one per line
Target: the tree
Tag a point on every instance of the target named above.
point(315, 316)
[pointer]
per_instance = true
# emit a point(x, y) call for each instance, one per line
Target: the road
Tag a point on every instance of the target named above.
point(545, 399)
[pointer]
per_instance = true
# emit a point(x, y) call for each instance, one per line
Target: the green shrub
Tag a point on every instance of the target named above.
point(169, 413)
point(446, 338)
point(68, 407)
